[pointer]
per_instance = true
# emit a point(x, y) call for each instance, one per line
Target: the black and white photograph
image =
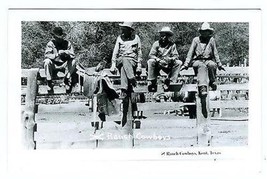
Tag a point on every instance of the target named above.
point(134, 84)
point(109, 92)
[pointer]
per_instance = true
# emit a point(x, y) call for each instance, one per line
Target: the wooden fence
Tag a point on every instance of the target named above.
point(68, 124)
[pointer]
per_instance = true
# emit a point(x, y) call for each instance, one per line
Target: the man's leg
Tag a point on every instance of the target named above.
point(151, 69)
point(70, 69)
point(124, 79)
point(212, 67)
point(202, 77)
point(49, 68)
point(172, 71)
point(127, 69)
point(152, 75)
point(173, 75)
point(202, 72)
point(130, 68)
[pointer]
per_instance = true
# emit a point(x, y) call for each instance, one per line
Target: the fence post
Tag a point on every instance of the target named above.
point(128, 128)
point(28, 118)
point(203, 124)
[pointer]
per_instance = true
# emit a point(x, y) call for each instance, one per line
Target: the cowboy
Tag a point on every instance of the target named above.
point(204, 56)
point(59, 56)
point(163, 56)
point(127, 57)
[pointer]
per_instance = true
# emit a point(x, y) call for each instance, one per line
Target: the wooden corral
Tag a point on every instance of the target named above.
point(65, 121)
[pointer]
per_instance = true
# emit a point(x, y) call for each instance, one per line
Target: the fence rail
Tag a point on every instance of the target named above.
point(232, 94)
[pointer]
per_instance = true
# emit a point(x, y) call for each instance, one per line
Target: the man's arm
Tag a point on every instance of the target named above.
point(115, 53)
point(215, 52)
point(70, 51)
point(139, 55)
point(50, 51)
point(189, 55)
point(190, 52)
point(174, 53)
point(153, 51)
point(114, 57)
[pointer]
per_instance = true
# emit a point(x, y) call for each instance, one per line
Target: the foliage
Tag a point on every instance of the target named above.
point(94, 41)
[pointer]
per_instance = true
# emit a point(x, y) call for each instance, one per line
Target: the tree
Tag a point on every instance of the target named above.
point(94, 41)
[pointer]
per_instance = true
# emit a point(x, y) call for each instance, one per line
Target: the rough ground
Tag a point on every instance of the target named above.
point(69, 126)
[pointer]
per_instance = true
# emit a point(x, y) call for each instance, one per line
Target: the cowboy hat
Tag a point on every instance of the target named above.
point(127, 24)
point(205, 26)
point(166, 30)
point(58, 32)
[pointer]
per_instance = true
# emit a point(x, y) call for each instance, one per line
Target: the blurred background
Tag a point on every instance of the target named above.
point(94, 41)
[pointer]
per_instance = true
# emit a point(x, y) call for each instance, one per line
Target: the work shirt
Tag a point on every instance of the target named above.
point(129, 49)
point(164, 53)
point(52, 49)
point(203, 51)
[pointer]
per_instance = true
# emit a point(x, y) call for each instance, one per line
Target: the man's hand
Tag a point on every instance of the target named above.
point(61, 52)
point(184, 67)
point(113, 69)
point(139, 70)
point(221, 68)
point(163, 63)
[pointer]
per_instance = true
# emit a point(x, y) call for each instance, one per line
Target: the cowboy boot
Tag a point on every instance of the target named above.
point(125, 106)
point(50, 87)
point(68, 86)
point(102, 116)
point(152, 86)
point(213, 86)
point(203, 93)
point(166, 85)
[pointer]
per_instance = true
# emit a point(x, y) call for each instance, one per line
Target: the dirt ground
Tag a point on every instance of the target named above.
point(68, 126)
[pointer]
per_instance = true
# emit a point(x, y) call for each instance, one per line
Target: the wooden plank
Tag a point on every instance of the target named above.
point(66, 145)
point(230, 118)
point(120, 137)
point(168, 123)
point(229, 132)
point(173, 143)
point(229, 141)
point(189, 87)
point(85, 124)
point(28, 117)
point(24, 73)
point(243, 86)
point(64, 127)
point(158, 107)
point(144, 134)
point(234, 70)
point(114, 144)
point(63, 117)
point(189, 72)
point(75, 107)
point(128, 127)
point(229, 104)
point(154, 134)
point(203, 122)
point(68, 136)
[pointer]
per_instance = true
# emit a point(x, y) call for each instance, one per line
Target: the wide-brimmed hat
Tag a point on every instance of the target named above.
point(127, 24)
point(166, 30)
point(58, 32)
point(205, 26)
